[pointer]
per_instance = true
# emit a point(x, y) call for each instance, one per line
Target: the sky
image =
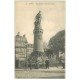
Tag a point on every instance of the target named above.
point(53, 18)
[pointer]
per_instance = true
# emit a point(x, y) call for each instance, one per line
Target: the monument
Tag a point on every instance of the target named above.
point(38, 31)
point(38, 51)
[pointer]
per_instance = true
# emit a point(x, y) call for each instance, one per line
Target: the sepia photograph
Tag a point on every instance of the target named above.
point(40, 39)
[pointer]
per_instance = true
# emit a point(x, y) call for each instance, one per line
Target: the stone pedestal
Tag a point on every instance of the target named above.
point(38, 59)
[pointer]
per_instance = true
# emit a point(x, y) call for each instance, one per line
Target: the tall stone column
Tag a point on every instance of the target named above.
point(38, 32)
point(38, 51)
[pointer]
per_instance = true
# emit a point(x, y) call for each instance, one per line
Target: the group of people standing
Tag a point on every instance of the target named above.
point(46, 65)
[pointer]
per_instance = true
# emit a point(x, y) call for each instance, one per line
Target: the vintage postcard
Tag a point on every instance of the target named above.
point(40, 39)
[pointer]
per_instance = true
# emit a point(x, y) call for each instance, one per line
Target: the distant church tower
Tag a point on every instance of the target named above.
point(38, 51)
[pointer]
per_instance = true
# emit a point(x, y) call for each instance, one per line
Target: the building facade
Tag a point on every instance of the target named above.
point(22, 51)
point(29, 49)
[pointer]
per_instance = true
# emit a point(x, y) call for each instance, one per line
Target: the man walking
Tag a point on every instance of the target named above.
point(47, 64)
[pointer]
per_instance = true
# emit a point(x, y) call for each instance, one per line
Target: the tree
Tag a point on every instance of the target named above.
point(57, 42)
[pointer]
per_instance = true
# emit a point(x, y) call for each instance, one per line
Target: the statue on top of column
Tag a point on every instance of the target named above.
point(38, 19)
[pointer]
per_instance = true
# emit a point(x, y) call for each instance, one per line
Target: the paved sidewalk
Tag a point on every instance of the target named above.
point(50, 69)
point(52, 72)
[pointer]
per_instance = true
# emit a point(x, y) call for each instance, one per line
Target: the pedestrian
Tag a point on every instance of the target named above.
point(47, 64)
point(37, 65)
point(63, 63)
point(30, 64)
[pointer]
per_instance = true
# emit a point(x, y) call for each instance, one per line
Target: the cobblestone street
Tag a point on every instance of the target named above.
point(40, 73)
